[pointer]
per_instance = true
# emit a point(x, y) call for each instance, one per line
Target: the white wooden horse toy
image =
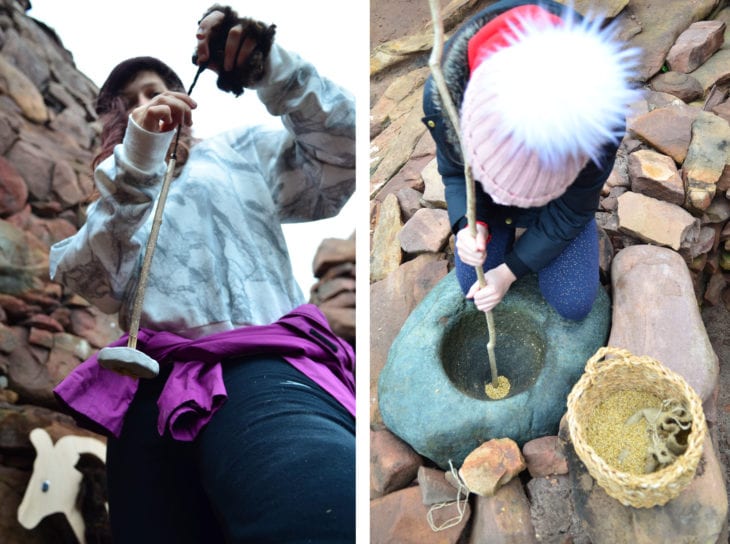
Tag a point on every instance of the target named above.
point(54, 484)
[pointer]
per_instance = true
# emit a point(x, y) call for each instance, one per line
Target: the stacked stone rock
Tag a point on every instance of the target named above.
point(334, 292)
point(47, 134)
point(668, 195)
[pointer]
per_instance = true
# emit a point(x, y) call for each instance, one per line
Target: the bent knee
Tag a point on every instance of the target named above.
point(574, 309)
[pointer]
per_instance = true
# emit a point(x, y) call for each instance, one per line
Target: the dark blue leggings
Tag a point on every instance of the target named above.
point(275, 464)
point(569, 283)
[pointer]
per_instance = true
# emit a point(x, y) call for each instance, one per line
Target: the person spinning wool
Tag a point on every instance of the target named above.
point(542, 95)
point(248, 433)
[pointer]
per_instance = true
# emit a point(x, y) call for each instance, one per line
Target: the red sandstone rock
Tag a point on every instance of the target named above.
point(393, 463)
point(401, 518)
point(544, 457)
point(491, 466)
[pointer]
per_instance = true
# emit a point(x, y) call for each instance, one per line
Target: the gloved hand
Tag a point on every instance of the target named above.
point(498, 281)
point(473, 251)
point(235, 48)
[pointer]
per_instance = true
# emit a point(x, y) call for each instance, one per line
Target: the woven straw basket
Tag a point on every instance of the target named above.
point(623, 371)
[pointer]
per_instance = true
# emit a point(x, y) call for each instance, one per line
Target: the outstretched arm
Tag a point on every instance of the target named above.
point(310, 165)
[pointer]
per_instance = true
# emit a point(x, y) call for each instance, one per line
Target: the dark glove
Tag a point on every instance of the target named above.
point(253, 67)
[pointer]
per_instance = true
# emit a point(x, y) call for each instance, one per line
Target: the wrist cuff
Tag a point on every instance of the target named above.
point(489, 232)
point(515, 264)
point(143, 149)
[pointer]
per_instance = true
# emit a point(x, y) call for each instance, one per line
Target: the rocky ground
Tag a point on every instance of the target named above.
point(401, 166)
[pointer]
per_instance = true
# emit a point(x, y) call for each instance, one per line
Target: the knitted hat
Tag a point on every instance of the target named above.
point(125, 72)
point(544, 96)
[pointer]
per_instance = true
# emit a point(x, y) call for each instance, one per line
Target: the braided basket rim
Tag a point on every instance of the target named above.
point(641, 491)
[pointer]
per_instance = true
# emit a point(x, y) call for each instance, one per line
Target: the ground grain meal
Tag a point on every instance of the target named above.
point(622, 446)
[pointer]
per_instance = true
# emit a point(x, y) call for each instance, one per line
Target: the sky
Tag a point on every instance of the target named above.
point(101, 33)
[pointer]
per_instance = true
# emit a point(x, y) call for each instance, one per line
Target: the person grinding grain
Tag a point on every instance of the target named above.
point(247, 433)
point(542, 95)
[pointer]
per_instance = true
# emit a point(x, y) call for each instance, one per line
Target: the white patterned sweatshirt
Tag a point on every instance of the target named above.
point(221, 260)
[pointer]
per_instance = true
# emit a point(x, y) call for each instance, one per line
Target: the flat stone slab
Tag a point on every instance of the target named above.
point(431, 390)
point(698, 514)
point(656, 314)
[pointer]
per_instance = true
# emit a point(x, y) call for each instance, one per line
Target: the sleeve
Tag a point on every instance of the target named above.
point(560, 221)
point(450, 166)
point(101, 260)
point(310, 165)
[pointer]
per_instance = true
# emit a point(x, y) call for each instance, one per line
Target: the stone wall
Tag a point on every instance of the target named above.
point(47, 136)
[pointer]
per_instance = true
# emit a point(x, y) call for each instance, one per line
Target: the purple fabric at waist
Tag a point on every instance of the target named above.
point(194, 391)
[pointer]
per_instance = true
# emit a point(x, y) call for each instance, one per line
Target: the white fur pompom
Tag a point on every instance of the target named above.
point(562, 91)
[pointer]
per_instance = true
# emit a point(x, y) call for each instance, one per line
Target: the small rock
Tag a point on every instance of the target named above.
point(722, 110)
point(715, 286)
point(667, 129)
point(703, 245)
point(65, 185)
point(75, 345)
point(655, 175)
point(503, 518)
point(386, 254)
point(426, 232)
point(492, 465)
point(40, 337)
point(98, 328)
point(706, 159)
point(681, 85)
point(23, 260)
point(331, 252)
point(435, 488)
point(395, 145)
point(410, 201)
point(44, 322)
point(544, 457)
point(718, 211)
point(393, 463)
point(552, 511)
point(16, 84)
point(695, 45)
point(656, 221)
point(434, 195)
point(13, 191)
point(8, 340)
point(401, 518)
point(8, 396)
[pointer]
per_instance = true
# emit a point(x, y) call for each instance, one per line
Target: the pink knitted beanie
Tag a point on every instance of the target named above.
point(544, 96)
